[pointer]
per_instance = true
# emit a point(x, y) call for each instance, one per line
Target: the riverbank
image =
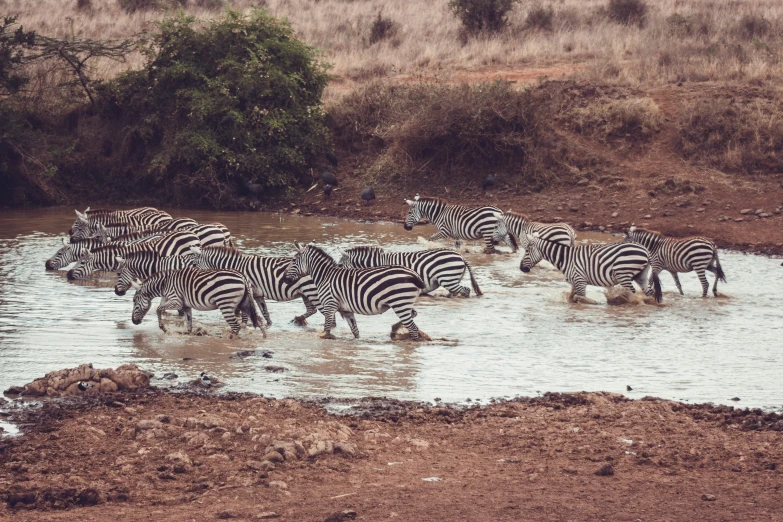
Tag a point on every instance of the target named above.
point(587, 456)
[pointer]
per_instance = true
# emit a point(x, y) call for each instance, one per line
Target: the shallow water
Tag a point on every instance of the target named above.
point(521, 338)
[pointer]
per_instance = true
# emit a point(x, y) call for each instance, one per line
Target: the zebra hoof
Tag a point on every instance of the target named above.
point(300, 320)
point(327, 335)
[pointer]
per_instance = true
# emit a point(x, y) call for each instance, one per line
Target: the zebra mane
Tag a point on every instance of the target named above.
point(72, 241)
point(134, 235)
point(100, 212)
point(320, 252)
point(111, 247)
point(432, 199)
point(139, 254)
point(365, 248)
point(651, 232)
point(518, 214)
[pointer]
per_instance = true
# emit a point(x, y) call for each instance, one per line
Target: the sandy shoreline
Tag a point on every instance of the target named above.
point(173, 456)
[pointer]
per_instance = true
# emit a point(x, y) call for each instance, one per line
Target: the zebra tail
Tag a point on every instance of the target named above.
point(513, 241)
point(718, 269)
point(418, 282)
point(657, 288)
point(473, 282)
point(248, 306)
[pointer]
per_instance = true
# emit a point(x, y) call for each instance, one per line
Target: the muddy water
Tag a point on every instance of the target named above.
point(521, 338)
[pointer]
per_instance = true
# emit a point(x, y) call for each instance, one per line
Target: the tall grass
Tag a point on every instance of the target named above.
point(681, 40)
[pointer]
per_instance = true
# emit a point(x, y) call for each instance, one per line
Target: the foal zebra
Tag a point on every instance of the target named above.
point(367, 291)
point(141, 265)
point(189, 288)
point(456, 221)
point(680, 255)
point(600, 265)
point(267, 275)
point(105, 257)
point(520, 226)
point(440, 267)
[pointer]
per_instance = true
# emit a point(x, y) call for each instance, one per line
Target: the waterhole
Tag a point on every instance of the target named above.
point(521, 338)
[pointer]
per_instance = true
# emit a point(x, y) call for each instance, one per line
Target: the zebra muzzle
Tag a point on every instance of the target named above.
point(49, 264)
point(118, 291)
point(70, 275)
point(525, 269)
point(408, 227)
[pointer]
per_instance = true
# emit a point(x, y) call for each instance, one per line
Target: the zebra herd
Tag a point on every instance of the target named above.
point(196, 266)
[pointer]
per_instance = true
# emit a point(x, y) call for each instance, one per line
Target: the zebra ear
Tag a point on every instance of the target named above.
point(409, 202)
point(135, 284)
point(632, 229)
point(87, 210)
point(416, 198)
point(530, 237)
point(81, 216)
point(119, 259)
point(195, 250)
point(298, 246)
point(65, 242)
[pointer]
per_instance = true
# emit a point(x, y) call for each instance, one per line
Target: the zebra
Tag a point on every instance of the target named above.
point(189, 288)
point(456, 221)
point(72, 251)
point(439, 267)
point(520, 226)
point(86, 227)
point(600, 265)
point(267, 275)
point(366, 291)
point(213, 234)
point(179, 224)
point(104, 258)
point(680, 255)
point(142, 264)
point(107, 215)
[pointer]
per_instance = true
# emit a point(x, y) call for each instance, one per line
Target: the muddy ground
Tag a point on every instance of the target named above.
point(648, 184)
point(163, 456)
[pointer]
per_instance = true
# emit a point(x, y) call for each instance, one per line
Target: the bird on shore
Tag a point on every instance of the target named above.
point(254, 188)
point(84, 386)
point(205, 380)
point(488, 182)
point(328, 190)
point(368, 194)
point(328, 177)
point(331, 157)
point(628, 388)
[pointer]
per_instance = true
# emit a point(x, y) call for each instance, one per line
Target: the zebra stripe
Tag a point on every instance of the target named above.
point(599, 265)
point(521, 226)
point(189, 288)
point(72, 251)
point(105, 257)
point(140, 265)
point(439, 267)
point(84, 227)
point(366, 291)
point(268, 277)
point(456, 221)
point(697, 254)
point(180, 224)
point(213, 234)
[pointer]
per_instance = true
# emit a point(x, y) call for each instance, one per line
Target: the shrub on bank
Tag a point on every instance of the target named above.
point(636, 118)
point(628, 12)
point(482, 15)
point(430, 130)
point(216, 107)
point(733, 136)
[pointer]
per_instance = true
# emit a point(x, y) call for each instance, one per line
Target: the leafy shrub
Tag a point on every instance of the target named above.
point(679, 25)
point(467, 130)
point(636, 118)
point(540, 18)
point(628, 12)
point(14, 40)
point(482, 15)
point(131, 6)
point(733, 136)
point(752, 26)
point(236, 101)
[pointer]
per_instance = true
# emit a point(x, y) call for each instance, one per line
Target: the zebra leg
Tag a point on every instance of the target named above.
point(578, 293)
point(264, 311)
point(229, 314)
point(167, 304)
point(189, 318)
point(455, 289)
point(301, 320)
point(329, 323)
point(489, 245)
point(438, 236)
point(705, 285)
point(351, 320)
point(406, 315)
point(715, 285)
point(677, 281)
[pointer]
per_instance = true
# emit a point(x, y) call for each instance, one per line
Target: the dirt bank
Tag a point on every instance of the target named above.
point(163, 456)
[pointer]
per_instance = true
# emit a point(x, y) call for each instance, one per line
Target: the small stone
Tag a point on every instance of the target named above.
point(607, 470)
point(700, 209)
point(267, 515)
point(148, 425)
point(668, 213)
point(614, 214)
point(735, 399)
point(764, 215)
point(647, 216)
point(279, 484)
point(709, 498)
point(739, 219)
point(274, 456)
point(583, 181)
point(322, 447)
point(341, 516)
point(223, 515)
point(420, 444)
point(170, 375)
point(346, 448)
point(759, 211)
point(746, 211)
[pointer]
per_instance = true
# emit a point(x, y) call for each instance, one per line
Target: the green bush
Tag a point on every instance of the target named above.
point(14, 40)
point(216, 107)
point(482, 15)
point(628, 12)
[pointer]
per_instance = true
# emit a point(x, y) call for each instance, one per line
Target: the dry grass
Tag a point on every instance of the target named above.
point(682, 40)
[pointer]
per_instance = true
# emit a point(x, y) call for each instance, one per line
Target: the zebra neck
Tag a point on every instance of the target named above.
point(431, 211)
point(557, 254)
point(321, 270)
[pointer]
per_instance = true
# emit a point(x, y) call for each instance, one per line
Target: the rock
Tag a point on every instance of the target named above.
point(668, 213)
point(746, 211)
point(65, 382)
point(148, 425)
point(14, 390)
point(179, 457)
point(223, 515)
point(256, 465)
point(274, 456)
point(340, 516)
point(287, 449)
point(614, 214)
point(420, 444)
point(738, 219)
point(735, 399)
point(275, 369)
point(758, 211)
point(647, 216)
point(165, 419)
point(346, 448)
point(267, 515)
point(607, 470)
point(321, 447)
point(107, 385)
point(583, 181)
point(764, 215)
point(170, 375)
point(279, 484)
point(708, 497)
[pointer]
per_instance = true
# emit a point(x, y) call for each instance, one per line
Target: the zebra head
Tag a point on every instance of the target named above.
point(533, 254)
point(414, 213)
point(299, 265)
point(84, 267)
point(81, 227)
point(141, 303)
point(630, 235)
point(64, 257)
point(125, 278)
